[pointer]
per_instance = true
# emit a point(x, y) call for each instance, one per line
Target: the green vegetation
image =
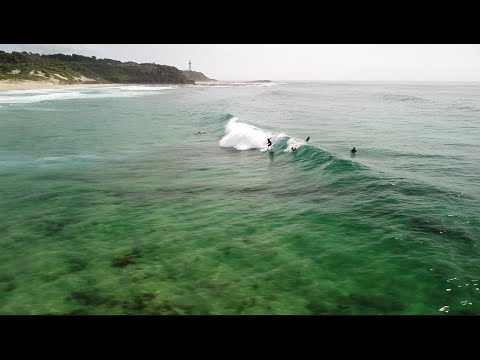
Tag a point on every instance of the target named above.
point(71, 68)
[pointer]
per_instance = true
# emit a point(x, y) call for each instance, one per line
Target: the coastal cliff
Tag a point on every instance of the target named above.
point(78, 69)
point(196, 76)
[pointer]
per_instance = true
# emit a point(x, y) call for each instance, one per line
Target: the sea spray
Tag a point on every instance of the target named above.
point(242, 136)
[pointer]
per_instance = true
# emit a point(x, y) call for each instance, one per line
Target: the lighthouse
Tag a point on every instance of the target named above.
point(189, 65)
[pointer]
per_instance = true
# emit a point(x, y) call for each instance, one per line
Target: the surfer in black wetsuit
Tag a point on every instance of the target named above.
point(294, 148)
point(353, 151)
point(308, 138)
point(269, 143)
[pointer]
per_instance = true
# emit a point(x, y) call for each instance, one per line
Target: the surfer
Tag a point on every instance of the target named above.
point(353, 151)
point(308, 138)
point(269, 143)
point(294, 148)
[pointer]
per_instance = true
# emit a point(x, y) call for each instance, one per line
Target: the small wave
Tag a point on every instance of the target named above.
point(26, 92)
point(40, 97)
point(69, 157)
point(38, 109)
point(215, 86)
point(462, 107)
point(405, 98)
point(29, 162)
point(242, 136)
point(33, 96)
point(236, 84)
point(146, 88)
point(253, 84)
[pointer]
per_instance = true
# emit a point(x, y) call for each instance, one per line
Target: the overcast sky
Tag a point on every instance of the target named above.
point(457, 62)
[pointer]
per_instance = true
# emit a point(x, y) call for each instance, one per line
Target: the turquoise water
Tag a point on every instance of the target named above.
point(111, 202)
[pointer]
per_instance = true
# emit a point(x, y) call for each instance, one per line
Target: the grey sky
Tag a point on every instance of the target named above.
point(457, 62)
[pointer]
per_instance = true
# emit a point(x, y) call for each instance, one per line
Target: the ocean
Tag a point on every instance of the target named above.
point(166, 200)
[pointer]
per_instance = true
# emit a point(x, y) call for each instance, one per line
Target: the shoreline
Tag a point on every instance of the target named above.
point(7, 85)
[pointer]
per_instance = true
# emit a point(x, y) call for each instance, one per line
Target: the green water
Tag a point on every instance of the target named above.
point(111, 204)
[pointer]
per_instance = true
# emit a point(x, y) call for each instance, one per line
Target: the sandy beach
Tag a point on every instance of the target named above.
point(7, 85)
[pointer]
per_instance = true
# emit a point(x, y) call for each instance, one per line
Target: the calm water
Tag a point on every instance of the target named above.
point(112, 203)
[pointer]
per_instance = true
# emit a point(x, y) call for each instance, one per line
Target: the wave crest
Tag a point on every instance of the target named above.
point(242, 136)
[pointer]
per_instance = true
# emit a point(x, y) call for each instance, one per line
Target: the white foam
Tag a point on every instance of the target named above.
point(292, 142)
point(33, 96)
point(214, 86)
point(40, 97)
point(67, 158)
point(253, 84)
point(242, 136)
point(37, 91)
point(146, 88)
point(235, 84)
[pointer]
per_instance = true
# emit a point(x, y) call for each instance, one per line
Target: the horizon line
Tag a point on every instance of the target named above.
point(390, 80)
